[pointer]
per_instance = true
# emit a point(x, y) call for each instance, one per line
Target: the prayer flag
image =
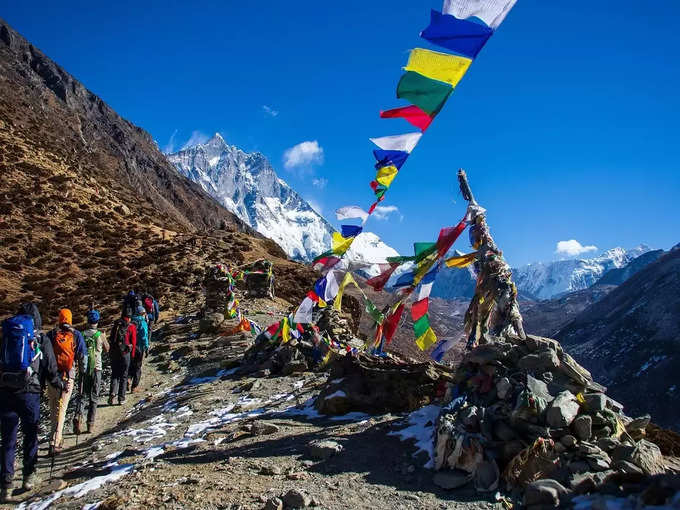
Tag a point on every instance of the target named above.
point(391, 323)
point(351, 211)
point(426, 340)
point(285, 330)
point(491, 12)
point(304, 311)
point(372, 208)
point(378, 282)
point(411, 114)
point(404, 143)
point(441, 349)
point(421, 250)
point(438, 66)
point(340, 244)
point(448, 236)
point(320, 286)
point(462, 36)
point(386, 175)
point(373, 311)
point(325, 263)
point(404, 280)
point(386, 158)
point(421, 325)
point(427, 94)
point(332, 285)
point(461, 261)
point(419, 309)
point(341, 290)
point(350, 230)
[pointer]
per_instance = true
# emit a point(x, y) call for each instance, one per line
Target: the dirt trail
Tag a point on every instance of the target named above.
point(199, 437)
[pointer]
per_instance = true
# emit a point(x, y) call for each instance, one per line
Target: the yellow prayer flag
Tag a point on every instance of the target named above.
point(386, 175)
point(285, 331)
point(438, 66)
point(461, 261)
point(426, 340)
point(340, 244)
point(322, 303)
point(337, 304)
point(423, 267)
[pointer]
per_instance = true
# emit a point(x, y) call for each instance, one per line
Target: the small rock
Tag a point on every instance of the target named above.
point(578, 466)
point(563, 410)
point(297, 475)
point(270, 470)
point(211, 323)
point(623, 452)
point(324, 449)
point(599, 462)
point(544, 492)
point(503, 387)
point(452, 479)
point(307, 463)
point(595, 401)
point(569, 441)
point(608, 444)
point(259, 428)
point(273, 504)
point(296, 499)
point(583, 427)
point(539, 362)
point(626, 467)
point(293, 367)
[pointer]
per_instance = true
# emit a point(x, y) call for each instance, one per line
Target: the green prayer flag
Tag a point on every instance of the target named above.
point(421, 326)
point(422, 250)
point(427, 94)
point(373, 311)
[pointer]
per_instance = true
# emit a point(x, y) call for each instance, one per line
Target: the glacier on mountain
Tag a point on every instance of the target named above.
point(247, 185)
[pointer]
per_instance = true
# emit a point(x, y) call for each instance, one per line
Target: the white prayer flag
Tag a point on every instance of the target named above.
point(491, 12)
point(404, 143)
point(351, 211)
point(304, 311)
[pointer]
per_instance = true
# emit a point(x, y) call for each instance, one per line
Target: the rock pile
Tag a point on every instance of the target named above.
point(524, 412)
point(336, 325)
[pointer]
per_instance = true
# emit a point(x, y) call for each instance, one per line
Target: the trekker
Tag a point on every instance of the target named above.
point(152, 310)
point(123, 344)
point(69, 346)
point(141, 349)
point(131, 302)
point(91, 380)
point(26, 359)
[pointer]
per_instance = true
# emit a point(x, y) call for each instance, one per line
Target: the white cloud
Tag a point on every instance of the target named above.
point(269, 110)
point(383, 212)
point(303, 154)
point(196, 138)
point(319, 182)
point(572, 248)
point(170, 146)
point(315, 205)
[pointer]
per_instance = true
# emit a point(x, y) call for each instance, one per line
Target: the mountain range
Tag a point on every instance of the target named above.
point(247, 185)
point(545, 280)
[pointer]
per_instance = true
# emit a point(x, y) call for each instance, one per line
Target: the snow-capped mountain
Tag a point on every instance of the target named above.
point(542, 280)
point(546, 280)
point(247, 185)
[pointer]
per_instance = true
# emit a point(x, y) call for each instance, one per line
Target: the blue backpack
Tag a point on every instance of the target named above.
point(142, 332)
point(18, 351)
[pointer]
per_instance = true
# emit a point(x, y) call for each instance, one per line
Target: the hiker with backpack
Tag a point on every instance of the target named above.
point(69, 348)
point(141, 348)
point(131, 302)
point(26, 362)
point(152, 310)
point(95, 341)
point(122, 347)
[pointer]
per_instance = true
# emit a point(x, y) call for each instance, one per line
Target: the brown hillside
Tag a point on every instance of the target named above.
point(89, 207)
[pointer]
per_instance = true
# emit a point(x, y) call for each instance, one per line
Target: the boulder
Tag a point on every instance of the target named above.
point(273, 504)
point(260, 428)
point(569, 441)
point(544, 492)
point(211, 323)
point(294, 367)
point(595, 401)
point(599, 462)
point(539, 362)
point(296, 499)
point(583, 427)
point(452, 479)
point(647, 456)
point(627, 467)
point(324, 449)
point(563, 410)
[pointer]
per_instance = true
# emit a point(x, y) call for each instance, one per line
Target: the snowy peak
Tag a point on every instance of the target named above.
point(246, 184)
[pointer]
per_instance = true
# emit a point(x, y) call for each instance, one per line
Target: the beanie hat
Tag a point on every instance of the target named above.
point(140, 310)
point(65, 316)
point(93, 316)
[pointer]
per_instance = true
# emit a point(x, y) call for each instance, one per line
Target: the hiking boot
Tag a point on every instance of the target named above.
point(121, 401)
point(135, 389)
point(110, 400)
point(30, 481)
point(77, 429)
point(90, 428)
point(128, 385)
point(6, 494)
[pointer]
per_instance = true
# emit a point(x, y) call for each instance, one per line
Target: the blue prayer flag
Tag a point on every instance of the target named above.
point(386, 158)
point(462, 36)
point(405, 280)
point(351, 230)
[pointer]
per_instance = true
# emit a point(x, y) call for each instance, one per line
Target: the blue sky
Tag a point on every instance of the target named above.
point(567, 122)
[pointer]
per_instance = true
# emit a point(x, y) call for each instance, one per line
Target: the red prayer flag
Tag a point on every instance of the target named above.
point(379, 282)
point(312, 295)
point(411, 114)
point(390, 323)
point(419, 308)
point(448, 236)
point(370, 211)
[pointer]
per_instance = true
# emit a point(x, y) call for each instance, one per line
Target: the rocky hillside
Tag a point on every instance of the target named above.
point(89, 206)
point(630, 340)
point(619, 275)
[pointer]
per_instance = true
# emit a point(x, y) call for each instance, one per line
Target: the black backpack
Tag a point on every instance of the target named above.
point(119, 332)
point(130, 304)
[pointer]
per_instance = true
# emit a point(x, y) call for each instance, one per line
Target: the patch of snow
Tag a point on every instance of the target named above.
point(154, 452)
point(114, 455)
point(353, 416)
point(421, 428)
point(338, 393)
